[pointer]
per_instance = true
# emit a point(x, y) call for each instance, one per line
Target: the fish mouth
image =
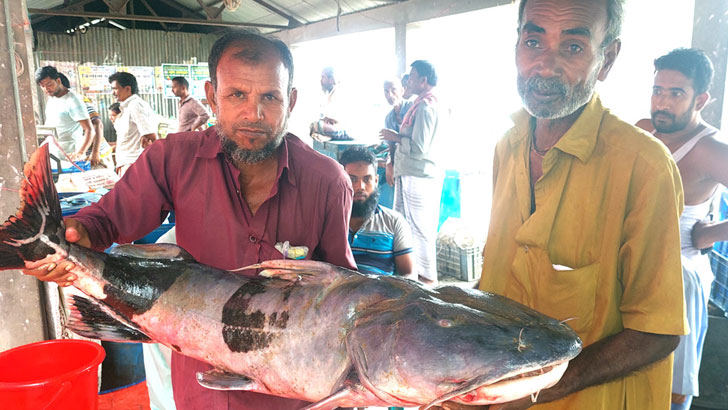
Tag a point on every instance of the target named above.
point(512, 386)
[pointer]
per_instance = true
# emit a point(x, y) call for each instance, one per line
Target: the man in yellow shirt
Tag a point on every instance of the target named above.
point(584, 223)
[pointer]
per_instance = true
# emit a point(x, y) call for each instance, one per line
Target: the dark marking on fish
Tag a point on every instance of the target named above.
point(135, 284)
point(287, 292)
point(278, 321)
point(244, 331)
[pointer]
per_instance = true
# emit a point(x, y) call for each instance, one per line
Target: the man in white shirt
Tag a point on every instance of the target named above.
point(136, 125)
point(66, 112)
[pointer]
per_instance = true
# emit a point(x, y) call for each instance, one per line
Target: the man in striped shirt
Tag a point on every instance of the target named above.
point(380, 238)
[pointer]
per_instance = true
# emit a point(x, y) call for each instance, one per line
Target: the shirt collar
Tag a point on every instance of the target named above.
point(210, 147)
point(181, 101)
point(128, 101)
point(579, 140)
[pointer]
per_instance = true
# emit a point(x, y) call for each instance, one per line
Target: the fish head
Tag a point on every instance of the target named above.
point(475, 349)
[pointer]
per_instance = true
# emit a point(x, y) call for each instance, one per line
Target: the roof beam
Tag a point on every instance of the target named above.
point(211, 11)
point(67, 5)
point(154, 19)
point(154, 13)
point(292, 21)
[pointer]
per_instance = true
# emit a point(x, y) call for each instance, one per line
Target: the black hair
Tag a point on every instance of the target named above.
point(358, 154)
point(46, 72)
point(115, 107)
point(238, 36)
point(125, 79)
point(181, 81)
point(405, 77)
point(693, 63)
point(426, 69)
point(615, 16)
point(64, 80)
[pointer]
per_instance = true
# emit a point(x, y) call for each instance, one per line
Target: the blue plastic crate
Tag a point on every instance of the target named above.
point(719, 291)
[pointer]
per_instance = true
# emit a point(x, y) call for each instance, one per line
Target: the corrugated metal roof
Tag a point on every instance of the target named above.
point(270, 12)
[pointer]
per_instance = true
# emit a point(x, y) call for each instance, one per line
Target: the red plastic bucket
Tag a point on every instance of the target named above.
point(51, 375)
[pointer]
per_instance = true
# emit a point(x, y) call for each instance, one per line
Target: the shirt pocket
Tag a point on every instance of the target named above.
point(569, 294)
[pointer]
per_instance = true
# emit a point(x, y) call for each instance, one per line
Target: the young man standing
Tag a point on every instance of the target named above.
point(66, 111)
point(190, 112)
point(679, 94)
point(136, 127)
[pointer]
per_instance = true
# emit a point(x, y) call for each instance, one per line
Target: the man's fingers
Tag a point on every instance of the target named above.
point(59, 273)
point(72, 234)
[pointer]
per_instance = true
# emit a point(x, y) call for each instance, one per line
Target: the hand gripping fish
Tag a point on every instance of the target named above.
point(301, 329)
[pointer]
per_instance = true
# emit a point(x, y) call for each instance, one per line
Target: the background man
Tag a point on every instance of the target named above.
point(136, 126)
point(398, 98)
point(237, 190)
point(380, 238)
point(331, 122)
point(99, 151)
point(66, 111)
point(584, 223)
point(418, 177)
point(190, 112)
point(679, 94)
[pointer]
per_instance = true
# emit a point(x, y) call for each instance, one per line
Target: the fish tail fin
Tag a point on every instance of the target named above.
point(37, 230)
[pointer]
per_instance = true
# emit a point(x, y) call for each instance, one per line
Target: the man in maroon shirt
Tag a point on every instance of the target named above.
point(237, 189)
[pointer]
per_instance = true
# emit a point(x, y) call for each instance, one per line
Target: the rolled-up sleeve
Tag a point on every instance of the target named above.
point(135, 207)
point(651, 274)
point(144, 119)
point(334, 244)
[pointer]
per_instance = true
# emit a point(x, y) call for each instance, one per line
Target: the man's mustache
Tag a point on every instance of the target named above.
point(665, 113)
point(546, 85)
point(253, 125)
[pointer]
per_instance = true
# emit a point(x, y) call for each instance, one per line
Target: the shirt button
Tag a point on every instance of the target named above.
point(253, 239)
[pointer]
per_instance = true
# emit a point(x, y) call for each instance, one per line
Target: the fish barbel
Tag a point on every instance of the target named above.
point(301, 329)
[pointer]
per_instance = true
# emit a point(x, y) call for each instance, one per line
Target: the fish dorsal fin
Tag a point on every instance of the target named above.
point(165, 251)
point(217, 379)
point(90, 318)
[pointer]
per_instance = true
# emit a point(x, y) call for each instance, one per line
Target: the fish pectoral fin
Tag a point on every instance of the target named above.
point(340, 397)
point(92, 319)
point(217, 379)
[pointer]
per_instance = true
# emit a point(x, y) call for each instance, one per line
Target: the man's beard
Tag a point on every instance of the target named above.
point(238, 155)
point(365, 208)
point(568, 101)
point(678, 122)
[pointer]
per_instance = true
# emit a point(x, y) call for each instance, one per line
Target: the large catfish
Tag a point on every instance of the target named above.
point(301, 329)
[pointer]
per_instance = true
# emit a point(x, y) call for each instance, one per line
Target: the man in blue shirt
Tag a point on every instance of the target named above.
point(380, 238)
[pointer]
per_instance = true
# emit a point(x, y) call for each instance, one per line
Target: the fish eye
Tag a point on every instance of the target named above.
point(444, 323)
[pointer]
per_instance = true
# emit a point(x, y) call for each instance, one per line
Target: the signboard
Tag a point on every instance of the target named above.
point(199, 74)
point(144, 77)
point(196, 75)
point(95, 78)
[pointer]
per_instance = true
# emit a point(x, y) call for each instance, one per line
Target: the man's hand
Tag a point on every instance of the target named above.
point(59, 272)
point(699, 235)
point(77, 156)
point(148, 139)
point(390, 135)
point(389, 174)
point(95, 158)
